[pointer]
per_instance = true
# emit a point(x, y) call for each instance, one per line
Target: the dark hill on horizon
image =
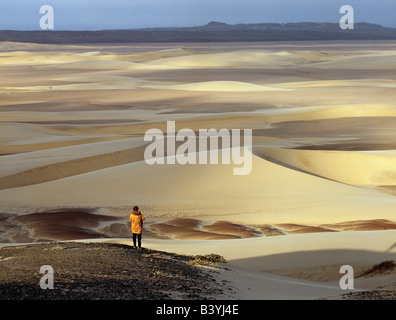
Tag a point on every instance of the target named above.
point(211, 32)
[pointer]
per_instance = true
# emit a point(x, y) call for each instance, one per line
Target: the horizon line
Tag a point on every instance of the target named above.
point(189, 27)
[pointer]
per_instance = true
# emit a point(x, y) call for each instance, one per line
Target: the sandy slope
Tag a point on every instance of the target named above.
point(350, 167)
point(236, 59)
point(13, 164)
point(220, 86)
point(366, 61)
point(270, 194)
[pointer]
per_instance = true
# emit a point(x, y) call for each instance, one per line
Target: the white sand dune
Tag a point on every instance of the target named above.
point(118, 85)
point(221, 86)
point(251, 119)
point(14, 134)
point(28, 58)
point(19, 102)
point(384, 83)
point(18, 133)
point(66, 116)
point(326, 112)
point(159, 53)
point(12, 164)
point(270, 194)
point(378, 61)
point(99, 82)
point(113, 83)
point(81, 86)
point(51, 58)
point(99, 78)
point(236, 59)
point(350, 167)
point(124, 83)
point(106, 65)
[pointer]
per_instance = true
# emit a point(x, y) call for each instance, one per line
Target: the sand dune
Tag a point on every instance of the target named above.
point(74, 87)
point(89, 68)
point(377, 224)
point(271, 194)
point(106, 65)
point(376, 61)
point(36, 58)
point(13, 164)
point(81, 115)
point(384, 83)
point(7, 150)
point(64, 58)
point(127, 84)
point(257, 120)
point(42, 58)
point(348, 167)
point(184, 58)
point(62, 169)
point(237, 59)
point(222, 86)
point(360, 134)
point(37, 137)
point(325, 112)
point(291, 228)
point(101, 78)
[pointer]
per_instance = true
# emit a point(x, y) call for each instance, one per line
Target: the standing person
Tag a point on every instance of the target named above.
point(136, 218)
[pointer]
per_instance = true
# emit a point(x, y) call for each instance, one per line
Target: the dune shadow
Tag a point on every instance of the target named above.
point(315, 264)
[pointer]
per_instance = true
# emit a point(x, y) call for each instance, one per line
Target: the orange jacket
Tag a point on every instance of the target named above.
point(136, 219)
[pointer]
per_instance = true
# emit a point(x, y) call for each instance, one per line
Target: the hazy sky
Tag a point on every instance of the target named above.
point(117, 14)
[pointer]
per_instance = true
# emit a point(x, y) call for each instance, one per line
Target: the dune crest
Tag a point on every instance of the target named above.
point(349, 167)
point(222, 86)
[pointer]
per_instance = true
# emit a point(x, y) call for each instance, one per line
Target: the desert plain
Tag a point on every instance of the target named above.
point(322, 188)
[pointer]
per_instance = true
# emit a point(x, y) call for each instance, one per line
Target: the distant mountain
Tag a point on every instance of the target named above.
point(215, 24)
point(211, 32)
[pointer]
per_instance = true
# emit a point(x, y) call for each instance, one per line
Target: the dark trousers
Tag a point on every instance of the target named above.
point(139, 238)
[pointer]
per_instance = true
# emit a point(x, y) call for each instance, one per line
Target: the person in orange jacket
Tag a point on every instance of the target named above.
point(136, 218)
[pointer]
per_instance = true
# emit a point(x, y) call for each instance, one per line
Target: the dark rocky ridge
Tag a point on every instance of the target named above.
point(212, 32)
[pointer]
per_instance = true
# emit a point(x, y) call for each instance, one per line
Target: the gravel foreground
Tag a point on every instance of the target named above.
point(367, 295)
point(105, 271)
point(89, 271)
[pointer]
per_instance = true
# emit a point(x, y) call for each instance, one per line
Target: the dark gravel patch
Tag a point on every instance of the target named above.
point(88, 271)
point(367, 295)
